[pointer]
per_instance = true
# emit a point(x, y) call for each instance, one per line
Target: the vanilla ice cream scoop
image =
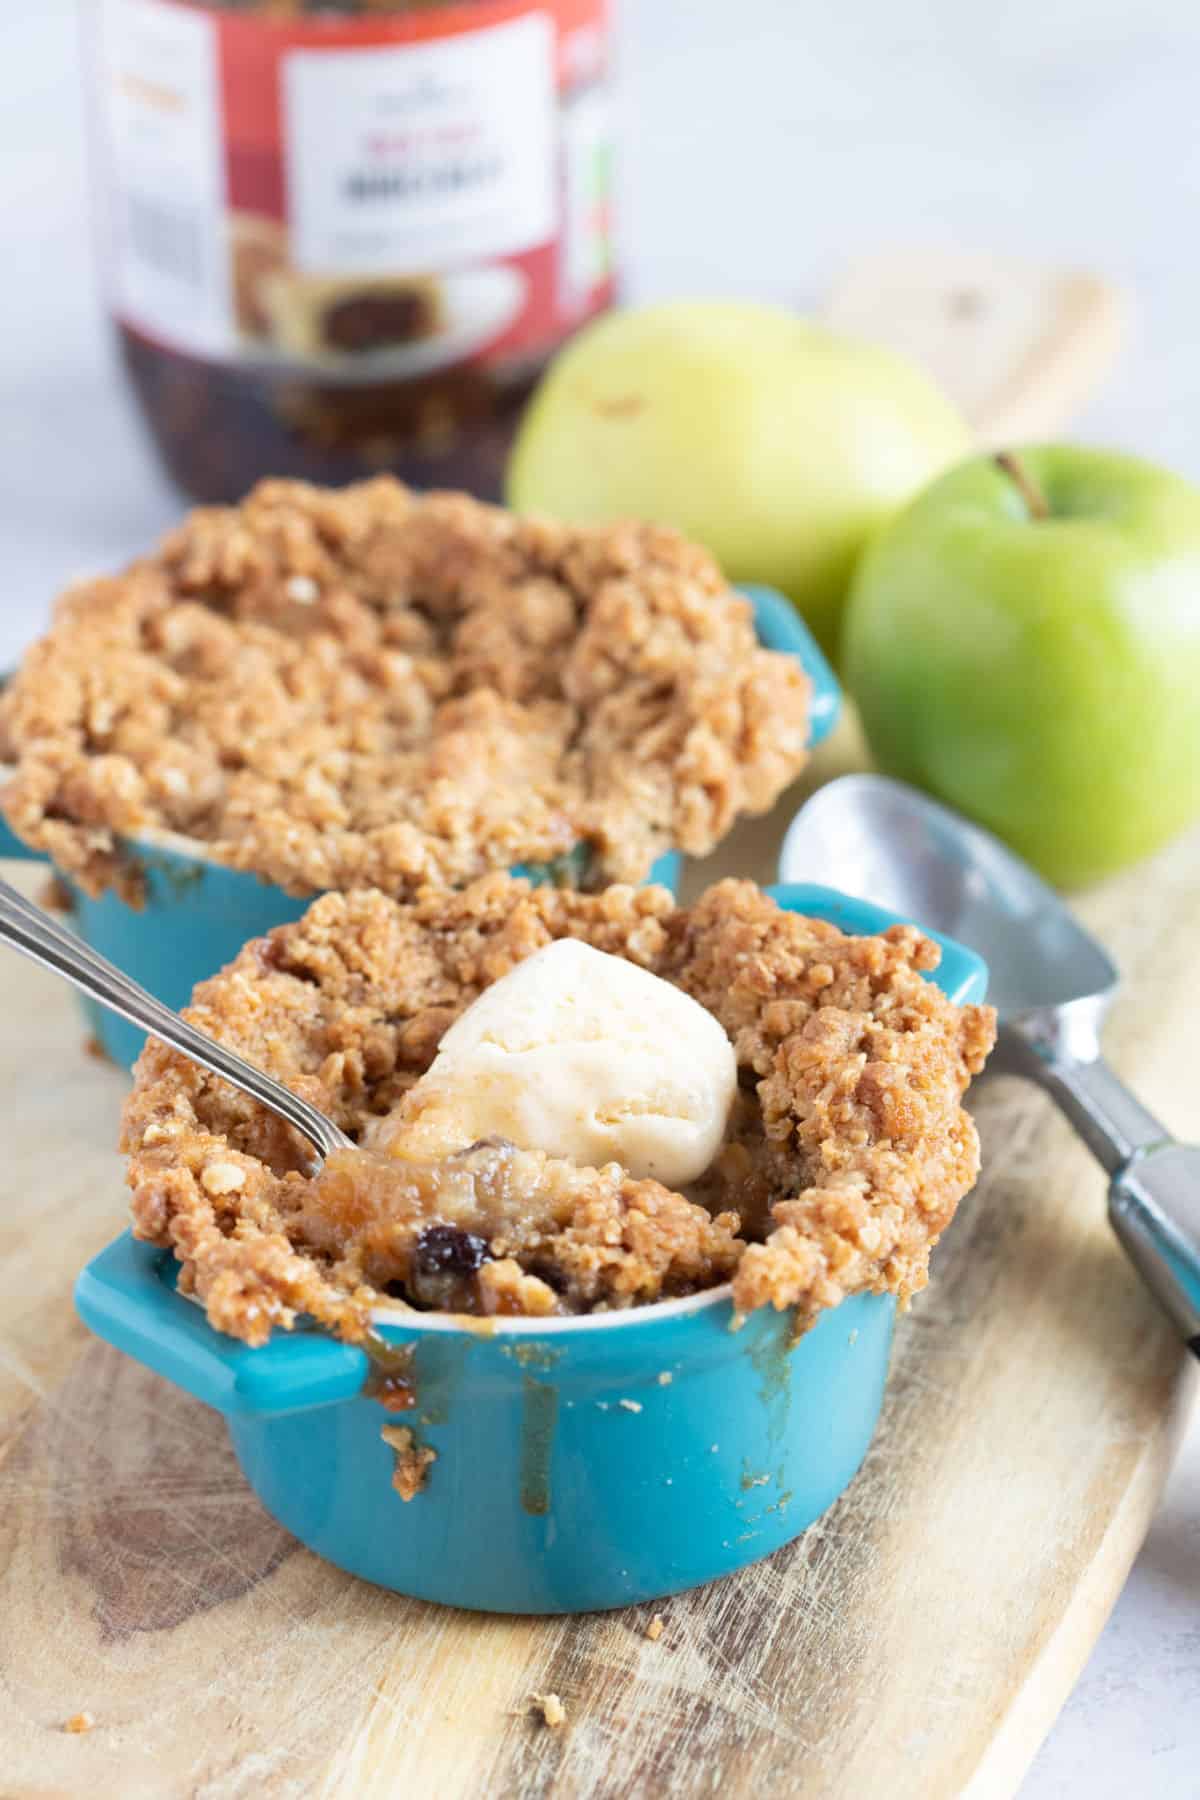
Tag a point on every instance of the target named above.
point(588, 1057)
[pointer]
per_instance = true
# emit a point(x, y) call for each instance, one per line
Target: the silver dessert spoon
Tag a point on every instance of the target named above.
point(28, 929)
point(1051, 983)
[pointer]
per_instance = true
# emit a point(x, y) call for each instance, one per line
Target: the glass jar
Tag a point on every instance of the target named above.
point(345, 236)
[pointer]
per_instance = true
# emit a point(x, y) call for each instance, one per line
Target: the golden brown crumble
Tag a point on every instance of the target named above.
point(365, 688)
point(655, 1628)
point(413, 1460)
point(846, 1156)
point(80, 1722)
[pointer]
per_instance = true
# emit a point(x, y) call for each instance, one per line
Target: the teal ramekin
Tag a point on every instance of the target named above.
point(580, 1463)
point(198, 914)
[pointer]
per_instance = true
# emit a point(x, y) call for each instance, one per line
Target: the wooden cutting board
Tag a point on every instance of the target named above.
point(917, 1641)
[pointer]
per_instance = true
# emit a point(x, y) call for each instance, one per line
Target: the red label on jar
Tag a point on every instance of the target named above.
point(369, 198)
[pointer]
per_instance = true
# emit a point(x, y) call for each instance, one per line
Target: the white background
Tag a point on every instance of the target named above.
point(764, 143)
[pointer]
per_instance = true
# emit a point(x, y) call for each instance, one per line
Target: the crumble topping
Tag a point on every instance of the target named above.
point(845, 1158)
point(367, 688)
point(413, 1460)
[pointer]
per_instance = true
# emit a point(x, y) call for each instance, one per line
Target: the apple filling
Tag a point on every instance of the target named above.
point(494, 1229)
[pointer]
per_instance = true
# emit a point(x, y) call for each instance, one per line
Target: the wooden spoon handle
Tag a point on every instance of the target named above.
point(1020, 347)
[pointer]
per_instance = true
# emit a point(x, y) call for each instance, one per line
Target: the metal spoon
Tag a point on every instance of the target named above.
point(1052, 985)
point(40, 937)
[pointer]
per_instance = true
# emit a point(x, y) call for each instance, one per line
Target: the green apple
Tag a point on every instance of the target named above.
point(779, 445)
point(1024, 641)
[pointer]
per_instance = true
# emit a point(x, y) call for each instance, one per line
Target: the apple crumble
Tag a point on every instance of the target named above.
point(413, 1460)
point(846, 1152)
point(368, 688)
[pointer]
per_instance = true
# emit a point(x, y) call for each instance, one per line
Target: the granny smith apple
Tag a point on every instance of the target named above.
point(778, 444)
point(1024, 641)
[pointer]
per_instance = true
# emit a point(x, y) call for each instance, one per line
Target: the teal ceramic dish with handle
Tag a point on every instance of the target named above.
point(580, 1463)
point(198, 913)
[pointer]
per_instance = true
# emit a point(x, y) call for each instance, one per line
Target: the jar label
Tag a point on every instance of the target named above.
point(423, 156)
point(371, 198)
point(166, 217)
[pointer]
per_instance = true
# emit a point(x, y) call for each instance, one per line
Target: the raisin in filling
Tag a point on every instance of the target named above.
point(445, 1261)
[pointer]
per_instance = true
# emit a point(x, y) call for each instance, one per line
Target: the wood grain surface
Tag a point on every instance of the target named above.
point(916, 1641)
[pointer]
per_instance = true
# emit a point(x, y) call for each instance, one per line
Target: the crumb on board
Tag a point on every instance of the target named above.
point(79, 1722)
point(633, 1406)
point(412, 1460)
point(665, 1378)
point(553, 1712)
point(654, 1629)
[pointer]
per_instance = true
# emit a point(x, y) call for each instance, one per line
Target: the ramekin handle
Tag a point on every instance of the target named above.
point(780, 627)
point(962, 974)
point(125, 1297)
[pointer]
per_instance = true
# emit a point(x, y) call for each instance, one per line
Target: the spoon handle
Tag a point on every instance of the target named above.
point(1154, 1205)
point(1110, 1119)
point(28, 929)
point(1154, 1186)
